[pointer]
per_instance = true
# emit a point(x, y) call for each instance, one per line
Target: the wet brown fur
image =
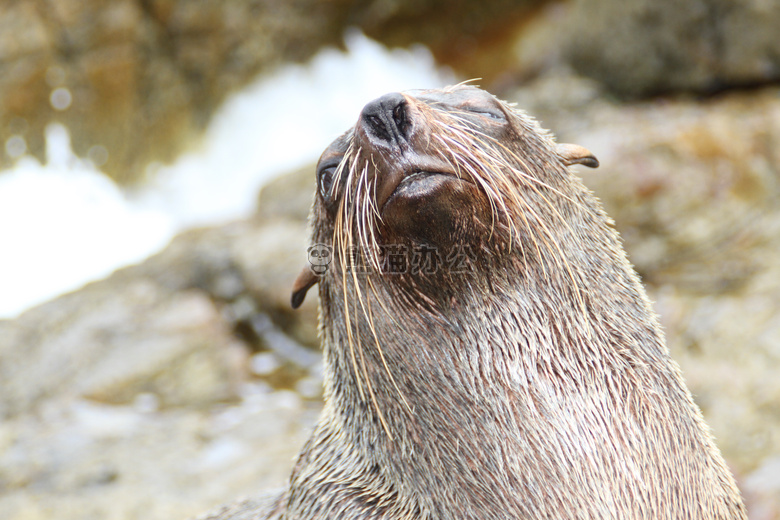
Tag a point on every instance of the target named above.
point(536, 384)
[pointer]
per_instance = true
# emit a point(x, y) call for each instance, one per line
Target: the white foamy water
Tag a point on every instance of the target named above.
point(64, 223)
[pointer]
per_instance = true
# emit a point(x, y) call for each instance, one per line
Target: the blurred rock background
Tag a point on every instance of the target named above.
point(185, 381)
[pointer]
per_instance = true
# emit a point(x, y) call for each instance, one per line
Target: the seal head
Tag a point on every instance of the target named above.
point(427, 170)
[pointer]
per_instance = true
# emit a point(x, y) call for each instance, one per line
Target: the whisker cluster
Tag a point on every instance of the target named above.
point(501, 174)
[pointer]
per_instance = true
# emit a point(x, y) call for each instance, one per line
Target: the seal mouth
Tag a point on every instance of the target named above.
point(418, 177)
point(420, 184)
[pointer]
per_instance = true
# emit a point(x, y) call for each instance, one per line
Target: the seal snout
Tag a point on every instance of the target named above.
point(386, 120)
point(394, 136)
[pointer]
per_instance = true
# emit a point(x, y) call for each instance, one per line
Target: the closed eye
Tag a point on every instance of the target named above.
point(489, 112)
point(491, 115)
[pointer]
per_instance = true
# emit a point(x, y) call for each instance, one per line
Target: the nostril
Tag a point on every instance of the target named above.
point(387, 118)
point(378, 127)
point(400, 119)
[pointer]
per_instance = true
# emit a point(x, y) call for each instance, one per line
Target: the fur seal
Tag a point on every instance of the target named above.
point(490, 352)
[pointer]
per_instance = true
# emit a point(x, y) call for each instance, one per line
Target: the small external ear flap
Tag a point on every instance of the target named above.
point(576, 154)
point(305, 281)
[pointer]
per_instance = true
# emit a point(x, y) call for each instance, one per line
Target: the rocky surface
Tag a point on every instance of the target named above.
point(474, 38)
point(135, 80)
point(647, 47)
point(169, 387)
point(84, 460)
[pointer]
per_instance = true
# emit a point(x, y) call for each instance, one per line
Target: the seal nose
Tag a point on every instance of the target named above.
point(386, 118)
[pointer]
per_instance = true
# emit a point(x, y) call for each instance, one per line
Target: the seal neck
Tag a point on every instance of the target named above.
point(488, 402)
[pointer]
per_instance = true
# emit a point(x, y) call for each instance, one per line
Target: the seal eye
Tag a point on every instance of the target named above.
point(325, 177)
point(485, 109)
point(328, 166)
point(489, 112)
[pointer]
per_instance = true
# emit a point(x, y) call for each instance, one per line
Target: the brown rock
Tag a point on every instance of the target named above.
point(648, 47)
point(112, 342)
point(474, 38)
point(144, 76)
